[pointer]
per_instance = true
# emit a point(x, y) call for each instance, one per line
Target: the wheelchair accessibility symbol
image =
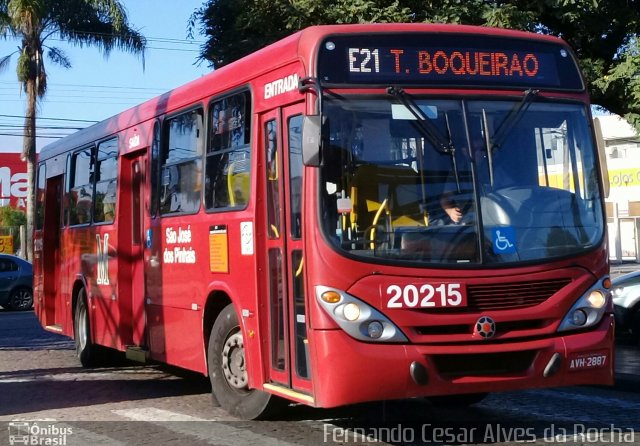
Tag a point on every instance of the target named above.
point(504, 240)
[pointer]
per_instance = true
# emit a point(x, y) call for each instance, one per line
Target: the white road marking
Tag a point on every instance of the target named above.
point(210, 431)
point(154, 415)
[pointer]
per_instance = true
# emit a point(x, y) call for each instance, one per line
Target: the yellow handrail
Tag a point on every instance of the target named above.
point(372, 237)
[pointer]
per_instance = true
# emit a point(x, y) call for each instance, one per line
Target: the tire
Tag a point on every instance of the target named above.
point(453, 401)
point(87, 352)
point(228, 374)
point(20, 299)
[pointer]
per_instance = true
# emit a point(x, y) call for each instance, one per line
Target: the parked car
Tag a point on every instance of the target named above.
point(16, 283)
point(625, 291)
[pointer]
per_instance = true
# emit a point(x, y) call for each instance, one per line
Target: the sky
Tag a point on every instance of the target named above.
point(95, 88)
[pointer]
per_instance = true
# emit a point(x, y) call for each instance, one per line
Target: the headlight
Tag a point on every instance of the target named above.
point(351, 312)
point(579, 318)
point(589, 309)
point(375, 329)
point(360, 320)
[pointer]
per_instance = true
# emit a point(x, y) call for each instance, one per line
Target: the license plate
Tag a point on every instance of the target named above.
point(585, 361)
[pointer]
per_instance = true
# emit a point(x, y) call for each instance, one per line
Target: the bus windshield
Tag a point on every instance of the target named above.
point(437, 181)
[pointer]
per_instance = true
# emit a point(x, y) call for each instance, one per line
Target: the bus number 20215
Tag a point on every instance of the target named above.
point(426, 296)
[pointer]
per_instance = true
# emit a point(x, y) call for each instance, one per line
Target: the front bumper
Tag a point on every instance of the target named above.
point(348, 371)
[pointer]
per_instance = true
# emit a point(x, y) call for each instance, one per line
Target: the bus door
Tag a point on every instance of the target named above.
point(130, 250)
point(286, 327)
point(50, 260)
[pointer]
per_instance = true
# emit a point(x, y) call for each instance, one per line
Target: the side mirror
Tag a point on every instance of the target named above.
point(311, 139)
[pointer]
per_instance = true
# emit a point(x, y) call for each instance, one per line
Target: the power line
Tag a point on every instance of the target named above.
point(50, 119)
point(53, 96)
point(46, 127)
point(19, 135)
point(11, 91)
point(184, 50)
point(115, 87)
point(148, 39)
point(125, 104)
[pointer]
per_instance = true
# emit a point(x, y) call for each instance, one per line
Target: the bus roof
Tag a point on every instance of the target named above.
point(300, 46)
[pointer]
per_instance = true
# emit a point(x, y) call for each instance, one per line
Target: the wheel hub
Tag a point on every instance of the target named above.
point(21, 299)
point(81, 327)
point(233, 364)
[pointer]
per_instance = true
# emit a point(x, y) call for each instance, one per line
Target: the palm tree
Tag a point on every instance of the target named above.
point(100, 23)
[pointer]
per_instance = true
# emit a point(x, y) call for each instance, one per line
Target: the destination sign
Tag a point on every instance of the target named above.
point(447, 60)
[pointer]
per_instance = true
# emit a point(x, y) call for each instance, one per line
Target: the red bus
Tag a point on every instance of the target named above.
point(354, 213)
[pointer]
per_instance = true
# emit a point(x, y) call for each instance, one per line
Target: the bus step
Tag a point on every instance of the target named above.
point(137, 353)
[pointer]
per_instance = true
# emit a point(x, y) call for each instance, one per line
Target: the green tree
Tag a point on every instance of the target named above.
point(10, 221)
point(603, 33)
point(235, 28)
point(99, 23)
point(11, 217)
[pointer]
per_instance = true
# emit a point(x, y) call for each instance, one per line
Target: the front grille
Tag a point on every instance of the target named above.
point(504, 296)
point(483, 364)
point(507, 296)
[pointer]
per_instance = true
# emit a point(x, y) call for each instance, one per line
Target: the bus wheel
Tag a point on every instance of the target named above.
point(86, 350)
point(454, 401)
point(228, 373)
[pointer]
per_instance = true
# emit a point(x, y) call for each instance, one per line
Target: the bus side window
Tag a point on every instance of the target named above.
point(106, 173)
point(273, 179)
point(80, 188)
point(155, 163)
point(40, 195)
point(295, 174)
point(181, 164)
point(228, 168)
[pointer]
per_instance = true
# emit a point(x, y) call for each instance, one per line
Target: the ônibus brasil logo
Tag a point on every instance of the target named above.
point(37, 433)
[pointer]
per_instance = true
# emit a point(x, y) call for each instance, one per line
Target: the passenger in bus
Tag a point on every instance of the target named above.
point(220, 127)
point(109, 202)
point(239, 185)
point(83, 207)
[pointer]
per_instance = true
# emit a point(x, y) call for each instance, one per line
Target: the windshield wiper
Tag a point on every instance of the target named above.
point(512, 119)
point(430, 132)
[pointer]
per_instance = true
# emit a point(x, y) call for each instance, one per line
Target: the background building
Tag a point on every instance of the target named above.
point(13, 181)
point(622, 145)
point(13, 193)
